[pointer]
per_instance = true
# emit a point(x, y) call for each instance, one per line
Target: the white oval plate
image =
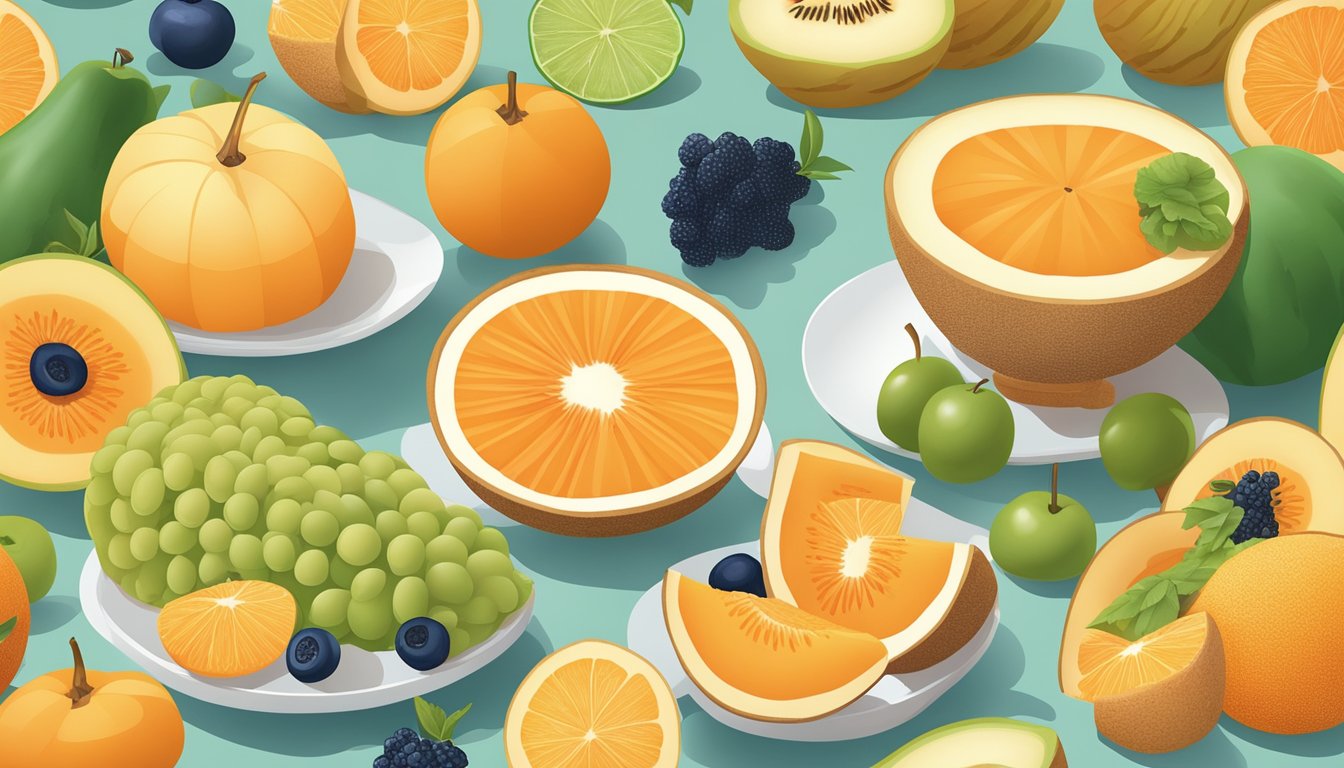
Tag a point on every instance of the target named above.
point(896, 699)
point(364, 679)
point(856, 336)
point(397, 262)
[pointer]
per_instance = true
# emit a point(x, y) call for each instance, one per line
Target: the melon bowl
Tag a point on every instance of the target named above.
point(1015, 223)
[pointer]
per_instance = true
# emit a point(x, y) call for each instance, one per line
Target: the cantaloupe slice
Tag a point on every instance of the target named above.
point(765, 659)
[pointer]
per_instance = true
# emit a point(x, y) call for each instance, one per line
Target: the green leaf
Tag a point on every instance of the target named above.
point(809, 148)
point(827, 165)
point(8, 627)
point(204, 93)
point(80, 229)
point(435, 723)
point(684, 5)
point(160, 94)
point(1222, 486)
point(1182, 204)
point(819, 175)
point(1156, 616)
point(55, 246)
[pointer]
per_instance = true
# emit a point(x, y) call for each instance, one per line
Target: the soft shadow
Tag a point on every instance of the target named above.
point(1214, 749)
point(1203, 105)
point(1051, 589)
point(87, 4)
point(599, 244)
point(53, 612)
point(683, 83)
point(1042, 68)
point(59, 513)
point(987, 690)
point(710, 742)
point(1320, 744)
point(221, 73)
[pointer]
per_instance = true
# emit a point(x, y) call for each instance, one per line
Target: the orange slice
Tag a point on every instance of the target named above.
point(28, 65)
point(305, 35)
point(593, 704)
point(1285, 78)
point(408, 58)
point(230, 629)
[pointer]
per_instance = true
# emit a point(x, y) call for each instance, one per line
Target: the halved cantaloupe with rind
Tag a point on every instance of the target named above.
point(1311, 472)
point(831, 545)
point(228, 630)
point(596, 401)
point(47, 441)
point(762, 658)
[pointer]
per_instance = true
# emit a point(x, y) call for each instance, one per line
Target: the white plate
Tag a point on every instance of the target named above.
point(896, 699)
point(364, 679)
point(855, 337)
point(397, 262)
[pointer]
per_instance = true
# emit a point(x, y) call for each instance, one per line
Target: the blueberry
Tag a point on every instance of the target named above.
point(193, 34)
point(738, 572)
point(313, 655)
point(422, 643)
point(57, 370)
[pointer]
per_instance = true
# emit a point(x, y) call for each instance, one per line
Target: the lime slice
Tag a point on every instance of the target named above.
point(606, 51)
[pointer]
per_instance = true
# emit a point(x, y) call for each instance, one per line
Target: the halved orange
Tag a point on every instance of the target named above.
point(28, 65)
point(231, 629)
point(593, 704)
point(305, 35)
point(407, 58)
point(1285, 78)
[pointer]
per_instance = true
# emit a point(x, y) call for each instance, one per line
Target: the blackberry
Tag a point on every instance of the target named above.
point(1255, 495)
point(450, 756)
point(694, 149)
point(400, 738)
point(382, 761)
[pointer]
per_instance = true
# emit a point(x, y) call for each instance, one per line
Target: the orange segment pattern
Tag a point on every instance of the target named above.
point(592, 713)
point(231, 629)
point(1292, 498)
point(1294, 79)
point(413, 44)
point(306, 19)
point(1111, 664)
point(670, 380)
point(21, 70)
point(1048, 199)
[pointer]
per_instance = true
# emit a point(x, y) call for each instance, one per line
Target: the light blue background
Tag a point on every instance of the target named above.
point(587, 587)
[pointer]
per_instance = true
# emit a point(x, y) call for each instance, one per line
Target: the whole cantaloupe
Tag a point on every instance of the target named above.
point(1277, 606)
point(1181, 42)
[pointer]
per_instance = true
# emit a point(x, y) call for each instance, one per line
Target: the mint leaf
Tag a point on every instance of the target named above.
point(204, 93)
point(684, 5)
point(812, 164)
point(435, 723)
point(1182, 204)
point(8, 627)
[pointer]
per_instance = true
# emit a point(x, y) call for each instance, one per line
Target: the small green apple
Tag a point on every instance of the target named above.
point(966, 433)
point(907, 390)
point(1146, 440)
point(32, 550)
point(1043, 535)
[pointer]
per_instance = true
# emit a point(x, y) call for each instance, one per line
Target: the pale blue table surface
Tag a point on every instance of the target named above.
point(586, 588)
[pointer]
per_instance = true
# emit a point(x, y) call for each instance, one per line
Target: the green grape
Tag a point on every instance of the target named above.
point(370, 619)
point(420, 500)
point(256, 574)
point(323, 478)
point(329, 608)
point(245, 552)
point(220, 420)
point(319, 527)
point(268, 446)
point(444, 615)
point(294, 488)
point(176, 539)
point(228, 438)
point(192, 507)
point(213, 388)
point(242, 511)
point(403, 481)
point(127, 582)
point(479, 633)
point(198, 427)
point(346, 451)
point(101, 491)
point(343, 573)
point(458, 510)
point(291, 407)
point(390, 524)
point(501, 591)
point(263, 419)
point(128, 467)
point(178, 472)
point(523, 585)
point(241, 387)
point(195, 413)
point(118, 436)
point(379, 494)
point(137, 417)
point(147, 492)
point(312, 568)
point(152, 580)
point(449, 583)
point(251, 439)
point(188, 390)
point(167, 412)
point(359, 544)
point(148, 437)
point(446, 549)
point(215, 536)
point(200, 448)
point(425, 525)
point(462, 529)
point(315, 452)
point(479, 610)
point(377, 465)
point(410, 599)
point(458, 641)
point(119, 552)
point(106, 458)
point(145, 544)
point(279, 553)
point(326, 435)
point(296, 427)
point(212, 569)
point(368, 584)
point(236, 407)
point(99, 522)
point(281, 466)
point(285, 516)
point(122, 516)
point(181, 575)
point(493, 539)
point(220, 475)
point(406, 554)
point(253, 481)
point(351, 477)
point(354, 510)
point(488, 562)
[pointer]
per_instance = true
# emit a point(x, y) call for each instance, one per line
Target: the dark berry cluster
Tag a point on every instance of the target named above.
point(1255, 494)
point(731, 195)
point(405, 749)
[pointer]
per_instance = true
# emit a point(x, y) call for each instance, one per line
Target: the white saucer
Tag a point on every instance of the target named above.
point(896, 699)
point(397, 262)
point(856, 336)
point(364, 679)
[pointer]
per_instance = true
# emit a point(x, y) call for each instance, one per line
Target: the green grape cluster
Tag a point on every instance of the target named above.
point(219, 478)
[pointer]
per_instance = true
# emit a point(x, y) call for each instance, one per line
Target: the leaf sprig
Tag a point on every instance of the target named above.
point(85, 242)
point(435, 723)
point(815, 165)
point(684, 5)
point(205, 92)
point(1183, 205)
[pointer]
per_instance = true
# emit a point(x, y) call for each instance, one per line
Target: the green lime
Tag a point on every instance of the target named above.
point(606, 51)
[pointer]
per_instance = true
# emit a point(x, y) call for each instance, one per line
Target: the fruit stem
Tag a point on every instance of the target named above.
point(80, 692)
point(511, 112)
point(910, 329)
point(1054, 489)
point(976, 389)
point(1161, 492)
point(230, 156)
point(121, 57)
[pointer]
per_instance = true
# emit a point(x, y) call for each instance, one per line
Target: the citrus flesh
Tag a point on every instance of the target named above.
point(606, 51)
point(28, 65)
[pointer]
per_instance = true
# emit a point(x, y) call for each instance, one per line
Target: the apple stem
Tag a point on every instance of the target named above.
point(230, 156)
point(910, 329)
point(976, 389)
point(1054, 489)
point(80, 692)
point(121, 57)
point(511, 112)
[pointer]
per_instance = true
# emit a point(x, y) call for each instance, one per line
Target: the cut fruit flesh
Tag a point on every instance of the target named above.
point(231, 629)
point(735, 647)
point(409, 58)
point(990, 742)
point(28, 66)
point(844, 31)
point(593, 703)
point(1111, 664)
point(606, 51)
point(305, 35)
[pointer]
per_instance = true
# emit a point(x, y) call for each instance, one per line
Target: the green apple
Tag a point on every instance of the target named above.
point(907, 390)
point(30, 546)
point(1043, 535)
point(965, 433)
point(1146, 440)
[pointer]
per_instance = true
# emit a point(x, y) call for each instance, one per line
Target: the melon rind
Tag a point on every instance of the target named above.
point(1178, 42)
point(987, 31)
point(1054, 329)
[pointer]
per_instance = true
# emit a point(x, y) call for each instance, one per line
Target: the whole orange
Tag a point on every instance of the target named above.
point(515, 171)
point(13, 605)
point(1277, 607)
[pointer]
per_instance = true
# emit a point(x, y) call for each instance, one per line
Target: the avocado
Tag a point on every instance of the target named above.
point(57, 158)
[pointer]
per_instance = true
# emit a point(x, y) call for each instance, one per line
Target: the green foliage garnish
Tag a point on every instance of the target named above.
point(84, 243)
point(684, 5)
point(814, 164)
point(1157, 600)
point(204, 93)
point(435, 723)
point(8, 627)
point(1183, 204)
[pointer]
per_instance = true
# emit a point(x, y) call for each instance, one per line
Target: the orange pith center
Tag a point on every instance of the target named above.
point(21, 71)
point(1110, 664)
point(1294, 79)
point(1048, 199)
point(1291, 500)
point(592, 713)
point(413, 45)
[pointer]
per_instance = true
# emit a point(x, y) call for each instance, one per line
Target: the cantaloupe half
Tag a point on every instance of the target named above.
point(765, 659)
point(595, 401)
point(831, 545)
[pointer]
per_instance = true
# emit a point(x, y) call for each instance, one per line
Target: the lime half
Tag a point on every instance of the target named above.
point(606, 51)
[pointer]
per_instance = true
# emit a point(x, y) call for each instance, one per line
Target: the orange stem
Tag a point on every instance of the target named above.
point(80, 692)
point(511, 112)
point(230, 155)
